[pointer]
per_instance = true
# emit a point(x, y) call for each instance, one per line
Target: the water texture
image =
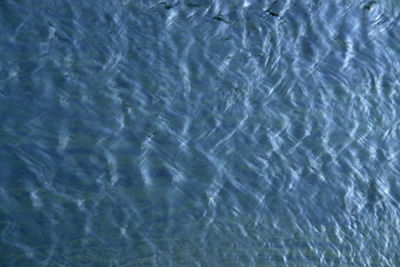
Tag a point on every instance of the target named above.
point(199, 133)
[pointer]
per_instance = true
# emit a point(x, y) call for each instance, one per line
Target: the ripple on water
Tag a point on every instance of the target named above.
point(199, 132)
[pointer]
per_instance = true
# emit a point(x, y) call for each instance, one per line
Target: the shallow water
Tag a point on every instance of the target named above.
point(199, 133)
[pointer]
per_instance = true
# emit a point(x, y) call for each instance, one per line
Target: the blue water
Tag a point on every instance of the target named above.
point(199, 133)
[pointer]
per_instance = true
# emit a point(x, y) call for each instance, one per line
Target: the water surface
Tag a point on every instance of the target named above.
point(199, 133)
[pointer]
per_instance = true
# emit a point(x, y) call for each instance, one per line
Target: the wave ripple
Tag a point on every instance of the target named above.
point(186, 132)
